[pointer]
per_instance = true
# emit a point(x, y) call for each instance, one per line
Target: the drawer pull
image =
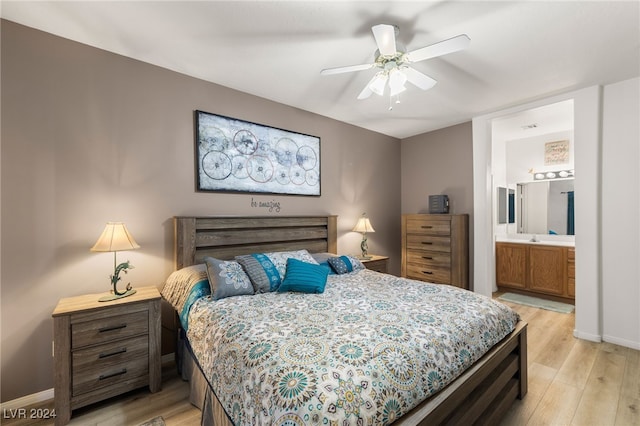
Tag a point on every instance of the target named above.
point(117, 373)
point(113, 328)
point(427, 242)
point(427, 272)
point(427, 227)
point(107, 355)
point(427, 257)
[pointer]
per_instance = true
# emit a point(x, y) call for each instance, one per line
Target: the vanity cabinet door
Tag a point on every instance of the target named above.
point(547, 266)
point(511, 265)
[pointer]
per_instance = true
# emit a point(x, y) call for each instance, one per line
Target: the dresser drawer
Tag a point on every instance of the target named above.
point(109, 373)
point(428, 226)
point(430, 274)
point(428, 243)
point(108, 329)
point(429, 258)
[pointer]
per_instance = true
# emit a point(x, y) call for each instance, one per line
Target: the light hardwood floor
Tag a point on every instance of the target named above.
point(571, 382)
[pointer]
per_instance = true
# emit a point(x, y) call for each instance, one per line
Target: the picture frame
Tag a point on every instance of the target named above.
point(234, 155)
point(556, 152)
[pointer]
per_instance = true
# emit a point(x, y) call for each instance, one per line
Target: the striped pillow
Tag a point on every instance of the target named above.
point(266, 270)
point(304, 277)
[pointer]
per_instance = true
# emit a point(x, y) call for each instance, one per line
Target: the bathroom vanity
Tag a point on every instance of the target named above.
point(544, 269)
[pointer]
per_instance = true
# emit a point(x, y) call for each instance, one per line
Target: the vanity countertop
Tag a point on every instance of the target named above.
point(539, 241)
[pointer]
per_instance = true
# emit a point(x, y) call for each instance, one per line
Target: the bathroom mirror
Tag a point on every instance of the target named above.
point(545, 207)
point(502, 205)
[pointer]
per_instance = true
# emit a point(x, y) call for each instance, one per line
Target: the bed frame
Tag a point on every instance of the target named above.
point(481, 395)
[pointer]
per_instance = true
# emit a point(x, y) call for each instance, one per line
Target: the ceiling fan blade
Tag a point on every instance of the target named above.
point(366, 92)
point(418, 79)
point(385, 36)
point(438, 49)
point(350, 68)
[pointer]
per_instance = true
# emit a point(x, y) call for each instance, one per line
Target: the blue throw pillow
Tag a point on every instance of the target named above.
point(304, 277)
point(266, 270)
point(345, 264)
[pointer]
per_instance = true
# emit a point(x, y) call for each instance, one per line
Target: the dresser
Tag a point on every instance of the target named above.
point(435, 248)
point(103, 349)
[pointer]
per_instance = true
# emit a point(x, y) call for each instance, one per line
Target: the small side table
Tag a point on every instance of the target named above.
point(103, 349)
point(376, 263)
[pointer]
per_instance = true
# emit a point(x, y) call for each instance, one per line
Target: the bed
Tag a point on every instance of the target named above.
point(307, 360)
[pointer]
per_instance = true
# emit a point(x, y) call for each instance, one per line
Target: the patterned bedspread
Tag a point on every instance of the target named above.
point(366, 351)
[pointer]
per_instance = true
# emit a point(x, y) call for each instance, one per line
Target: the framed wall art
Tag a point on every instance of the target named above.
point(233, 155)
point(556, 153)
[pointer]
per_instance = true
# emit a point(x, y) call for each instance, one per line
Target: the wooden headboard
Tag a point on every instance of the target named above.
point(224, 237)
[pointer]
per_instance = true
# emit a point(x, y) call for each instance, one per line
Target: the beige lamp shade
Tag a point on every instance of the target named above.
point(115, 237)
point(363, 226)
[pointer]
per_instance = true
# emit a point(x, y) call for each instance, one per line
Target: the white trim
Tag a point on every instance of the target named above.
point(586, 336)
point(587, 129)
point(25, 401)
point(621, 342)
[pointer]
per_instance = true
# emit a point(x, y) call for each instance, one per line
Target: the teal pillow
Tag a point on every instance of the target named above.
point(345, 264)
point(304, 277)
point(266, 270)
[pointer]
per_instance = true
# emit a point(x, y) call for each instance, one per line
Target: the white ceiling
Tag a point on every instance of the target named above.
point(519, 51)
point(552, 118)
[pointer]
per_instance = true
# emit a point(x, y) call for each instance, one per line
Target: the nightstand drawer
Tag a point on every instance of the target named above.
point(377, 265)
point(98, 358)
point(108, 329)
point(108, 375)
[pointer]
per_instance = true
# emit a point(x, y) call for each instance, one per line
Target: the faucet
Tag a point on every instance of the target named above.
point(534, 239)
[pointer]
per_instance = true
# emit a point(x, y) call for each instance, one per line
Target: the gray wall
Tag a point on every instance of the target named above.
point(440, 162)
point(89, 137)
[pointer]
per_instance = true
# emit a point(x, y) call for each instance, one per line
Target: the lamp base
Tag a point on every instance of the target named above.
point(365, 257)
point(112, 296)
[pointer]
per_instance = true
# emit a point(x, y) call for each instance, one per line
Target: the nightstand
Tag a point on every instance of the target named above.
point(376, 263)
point(103, 349)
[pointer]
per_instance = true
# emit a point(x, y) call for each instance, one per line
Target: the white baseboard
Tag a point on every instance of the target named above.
point(25, 401)
point(587, 336)
point(621, 342)
point(47, 395)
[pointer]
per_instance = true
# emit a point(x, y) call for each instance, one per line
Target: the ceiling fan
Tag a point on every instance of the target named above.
point(393, 61)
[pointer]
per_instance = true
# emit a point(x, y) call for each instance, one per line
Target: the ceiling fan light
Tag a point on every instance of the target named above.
point(397, 79)
point(378, 84)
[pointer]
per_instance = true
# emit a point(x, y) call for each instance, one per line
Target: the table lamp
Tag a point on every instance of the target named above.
point(115, 238)
point(363, 226)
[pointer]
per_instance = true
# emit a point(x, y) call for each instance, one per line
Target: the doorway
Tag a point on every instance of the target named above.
point(587, 128)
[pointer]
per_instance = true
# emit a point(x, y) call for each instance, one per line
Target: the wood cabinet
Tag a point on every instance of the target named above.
point(376, 263)
point(536, 268)
point(103, 349)
point(435, 248)
point(571, 272)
